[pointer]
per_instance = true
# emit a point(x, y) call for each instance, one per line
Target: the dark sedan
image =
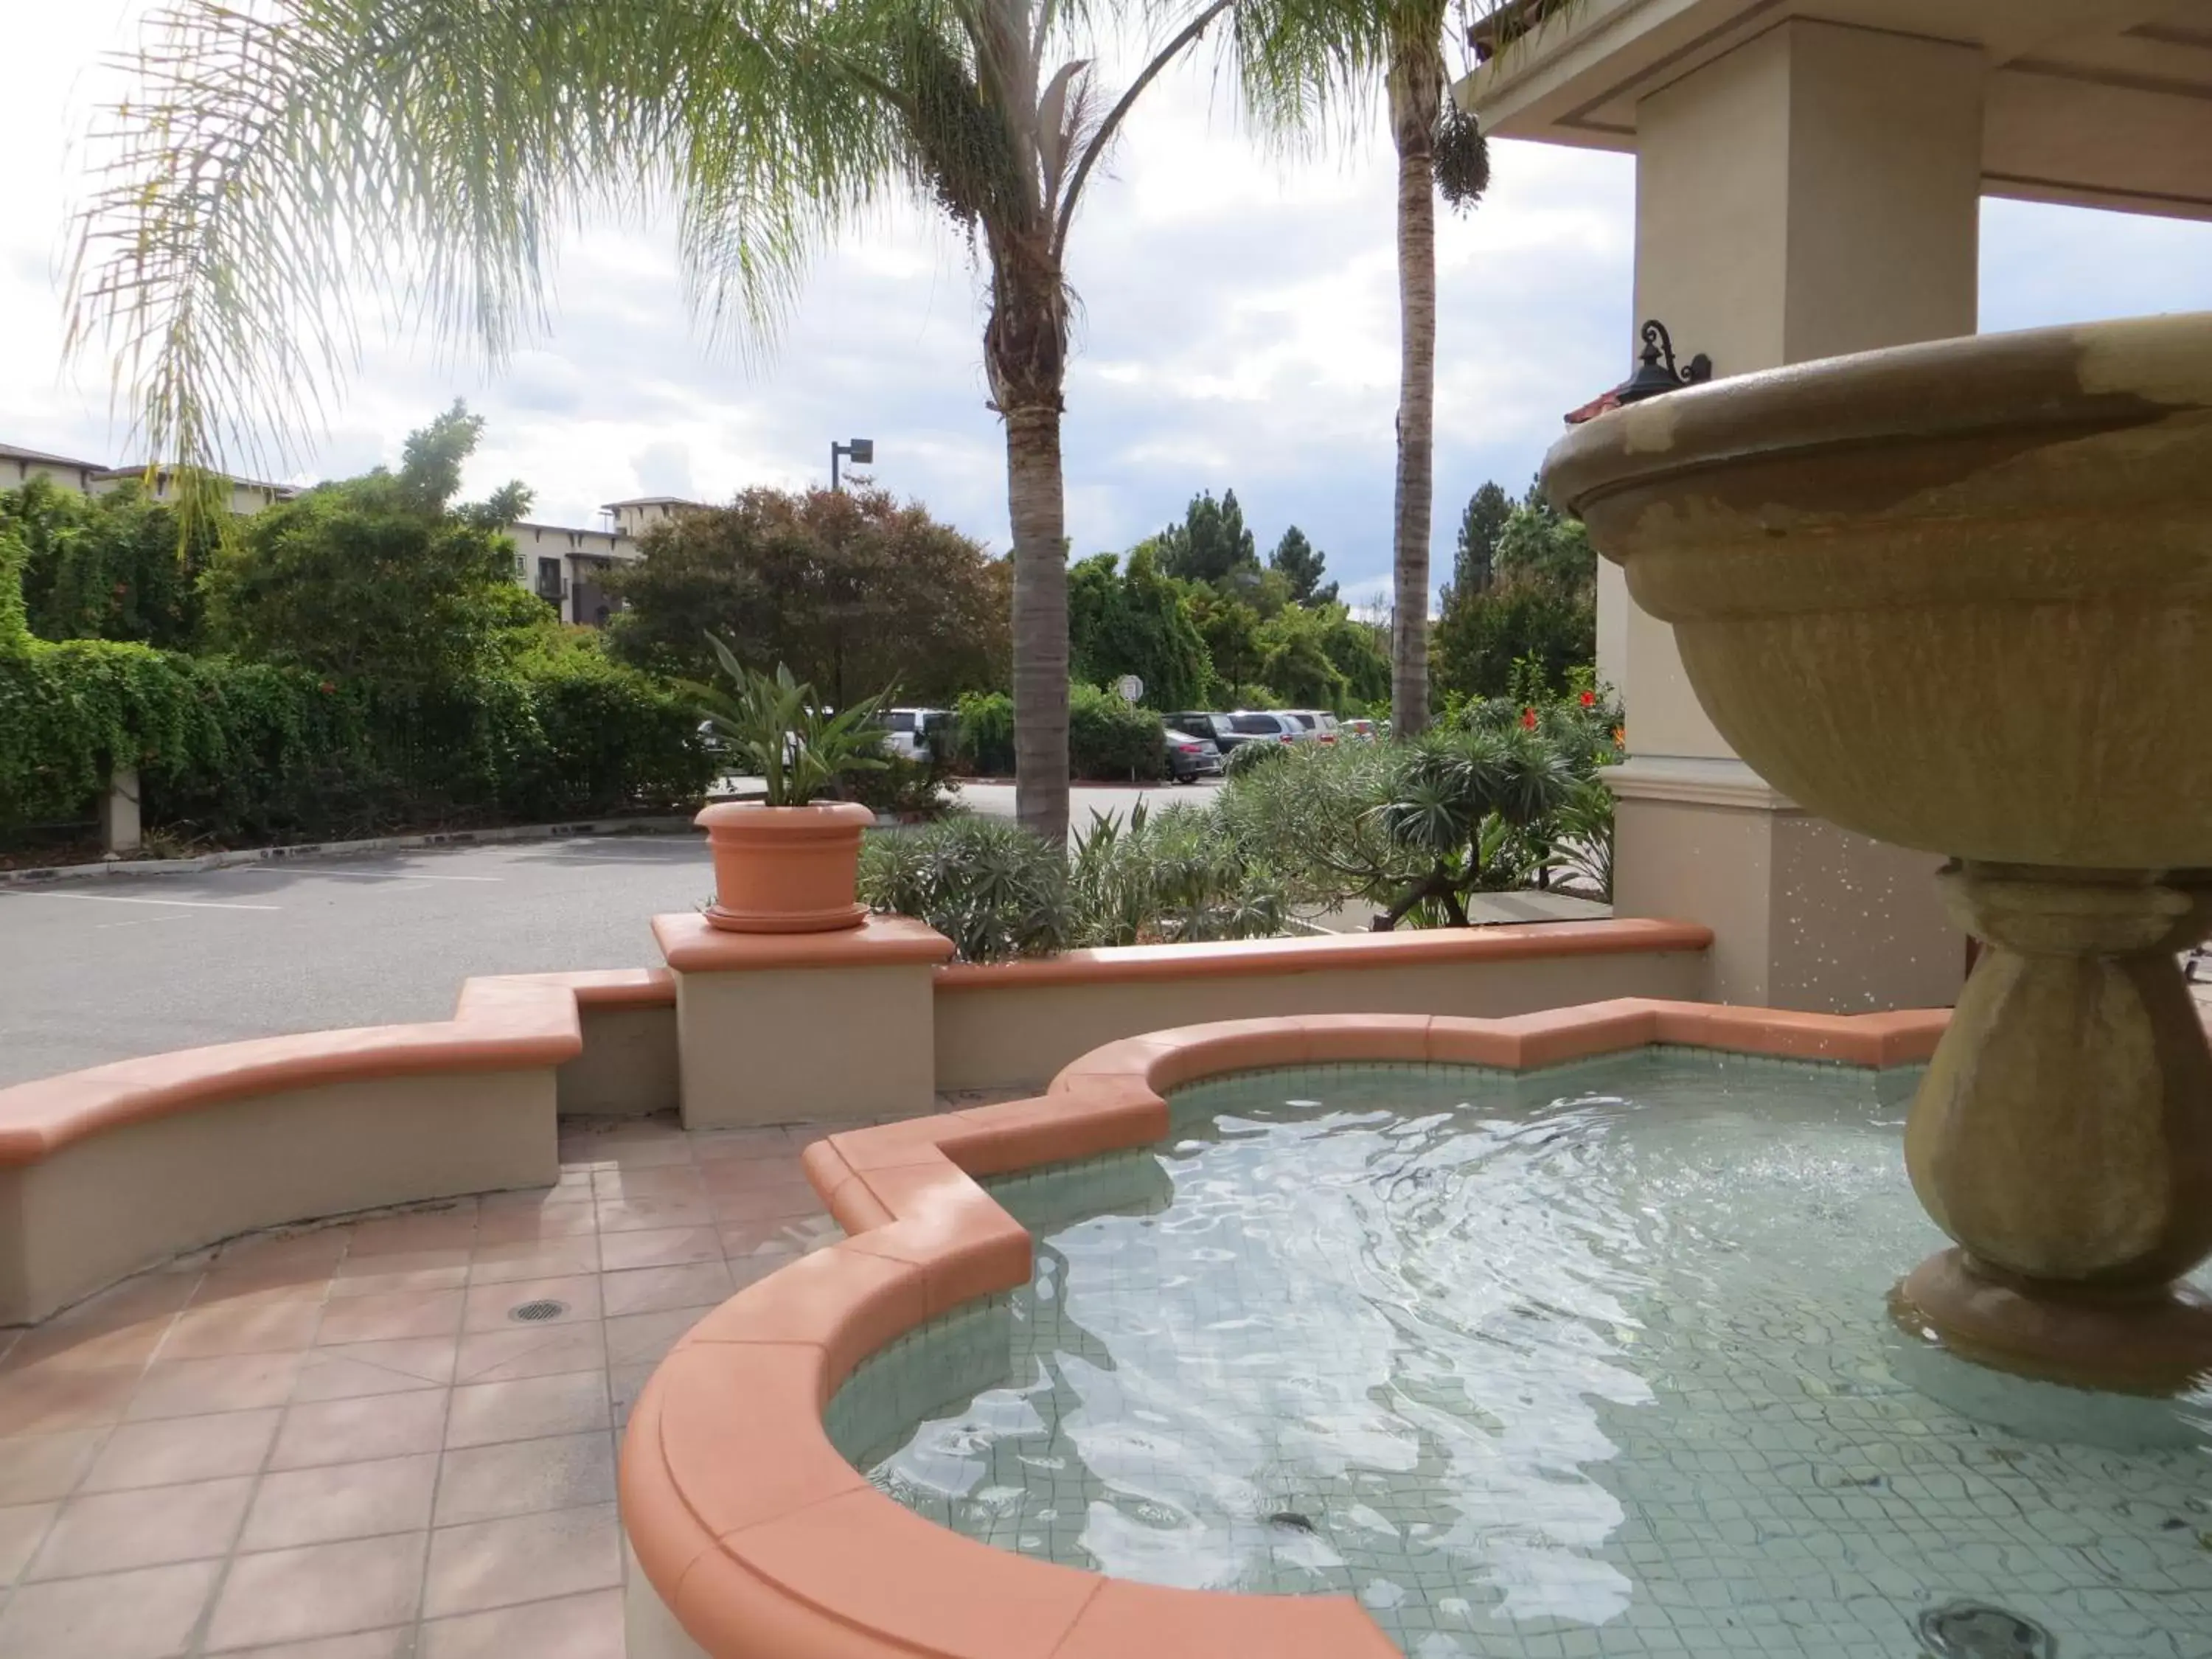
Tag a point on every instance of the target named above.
point(1190, 756)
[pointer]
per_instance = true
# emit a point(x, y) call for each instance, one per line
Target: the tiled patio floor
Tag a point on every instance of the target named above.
point(335, 1441)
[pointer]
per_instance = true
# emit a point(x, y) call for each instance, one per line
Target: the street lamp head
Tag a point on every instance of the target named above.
point(862, 450)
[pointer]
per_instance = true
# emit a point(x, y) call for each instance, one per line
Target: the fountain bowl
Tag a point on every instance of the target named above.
point(1959, 597)
point(1956, 596)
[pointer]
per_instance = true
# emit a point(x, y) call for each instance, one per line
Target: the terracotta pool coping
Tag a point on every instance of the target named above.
point(499, 1022)
point(1504, 942)
point(760, 1539)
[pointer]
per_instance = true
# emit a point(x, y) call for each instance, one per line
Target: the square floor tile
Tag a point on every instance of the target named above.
point(544, 1225)
point(549, 1258)
point(519, 1477)
point(645, 1339)
point(194, 1387)
point(520, 1350)
point(37, 1466)
point(390, 1316)
point(114, 1532)
point(490, 1563)
point(619, 1215)
point(335, 1501)
point(574, 1627)
point(398, 1643)
point(323, 1589)
point(175, 1449)
point(356, 1368)
point(360, 1429)
point(487, 1413)
point(241, 1327)
point(46, 1398)
point(439, 1230)
point(148, 1614)
point(23, 1526)
point(652, 1290)
point(401, 1270)
point(668, 1248)
point(678, 1181)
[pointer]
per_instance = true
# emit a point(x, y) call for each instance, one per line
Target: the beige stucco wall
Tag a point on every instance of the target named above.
point(779, 1045)
point(1804, 915)
point(629, 1065)
point(1813, 192)
point(1012, 1037)
point(127, 1198)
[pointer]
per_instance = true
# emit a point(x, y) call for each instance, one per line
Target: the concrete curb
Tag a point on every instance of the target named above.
point(103, 867)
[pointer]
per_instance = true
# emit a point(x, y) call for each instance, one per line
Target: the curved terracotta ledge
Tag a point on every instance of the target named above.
point(1507, 942)
point(499, 1023)
point(761, 1539)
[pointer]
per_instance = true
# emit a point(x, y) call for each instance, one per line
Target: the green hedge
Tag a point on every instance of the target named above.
point(229, 750)
point(1107, 739)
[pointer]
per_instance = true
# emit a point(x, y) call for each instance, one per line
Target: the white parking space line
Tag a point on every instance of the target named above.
point(178, 904)
point(344, 875)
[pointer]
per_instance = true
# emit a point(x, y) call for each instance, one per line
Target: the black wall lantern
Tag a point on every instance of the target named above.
point(1657, 372)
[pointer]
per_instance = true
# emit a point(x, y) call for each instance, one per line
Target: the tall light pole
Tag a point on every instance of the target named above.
point(861, 452)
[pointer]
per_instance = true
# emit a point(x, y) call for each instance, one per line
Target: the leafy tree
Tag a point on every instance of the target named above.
point(1211, 543)
point(109, 567)
point(275, 162)
point(1361, 653)
point(1540, 608)
point(1474, 558)
point(379, 578)
point(1300, 564)
point(850, 588)
point(1137, 623)
point(1538, 543)
point(1294, 660)
point(1230, 631)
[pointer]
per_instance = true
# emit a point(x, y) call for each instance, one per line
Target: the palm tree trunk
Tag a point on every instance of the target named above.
point(1416, 89)
point(1034, 504)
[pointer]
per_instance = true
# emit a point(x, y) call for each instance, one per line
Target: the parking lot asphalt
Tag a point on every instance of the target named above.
point(93, 970)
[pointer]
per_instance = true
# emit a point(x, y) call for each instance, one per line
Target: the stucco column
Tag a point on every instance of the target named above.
point(1813, 192)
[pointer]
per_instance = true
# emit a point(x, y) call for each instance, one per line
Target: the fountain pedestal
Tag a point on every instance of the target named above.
point(1958, 597)
point(2063, 1133)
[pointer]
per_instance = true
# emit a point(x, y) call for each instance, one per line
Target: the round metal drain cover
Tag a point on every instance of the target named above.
point(531, 1313)
point(1974, 1630)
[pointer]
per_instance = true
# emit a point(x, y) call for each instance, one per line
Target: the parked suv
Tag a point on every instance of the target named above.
point(1214, 728)
point(1320, 727)
point(909, 733)
point(1266, 724)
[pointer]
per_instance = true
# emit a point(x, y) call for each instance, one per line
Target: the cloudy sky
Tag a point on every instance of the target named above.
point(1238, 329)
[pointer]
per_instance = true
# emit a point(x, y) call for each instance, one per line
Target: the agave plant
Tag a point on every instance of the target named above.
point(775, 724)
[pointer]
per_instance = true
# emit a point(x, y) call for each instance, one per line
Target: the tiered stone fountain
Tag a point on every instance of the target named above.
point(1959, 597)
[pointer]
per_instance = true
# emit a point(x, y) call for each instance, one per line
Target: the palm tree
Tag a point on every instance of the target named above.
point(278, 162)
point(1439, 149)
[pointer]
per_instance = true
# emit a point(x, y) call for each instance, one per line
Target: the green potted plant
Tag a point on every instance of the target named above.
point(788, 863)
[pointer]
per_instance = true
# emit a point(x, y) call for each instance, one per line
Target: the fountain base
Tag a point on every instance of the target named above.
point(2156, 1341)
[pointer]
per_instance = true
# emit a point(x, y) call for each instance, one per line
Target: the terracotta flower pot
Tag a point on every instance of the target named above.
point(785, 869)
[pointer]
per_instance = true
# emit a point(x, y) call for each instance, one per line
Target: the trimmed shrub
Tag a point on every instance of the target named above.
point(1107, 739)
point(231, 751)
point(984, 724)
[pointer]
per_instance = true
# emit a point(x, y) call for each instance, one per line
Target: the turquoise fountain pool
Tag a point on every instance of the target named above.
point(1591, 1361)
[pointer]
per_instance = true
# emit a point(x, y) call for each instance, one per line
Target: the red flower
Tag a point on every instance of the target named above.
point(1529, 718)
point(1589, 699)
point(328, 687)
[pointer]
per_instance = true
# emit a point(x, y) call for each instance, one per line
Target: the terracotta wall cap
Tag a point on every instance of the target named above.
point(1513, 942)
point(692, 946)
point(498, 1025)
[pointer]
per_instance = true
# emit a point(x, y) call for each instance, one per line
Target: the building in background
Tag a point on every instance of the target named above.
point(564, 566)
point(19, 466)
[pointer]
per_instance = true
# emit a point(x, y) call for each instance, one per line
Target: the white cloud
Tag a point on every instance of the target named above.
point(1238, 328)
